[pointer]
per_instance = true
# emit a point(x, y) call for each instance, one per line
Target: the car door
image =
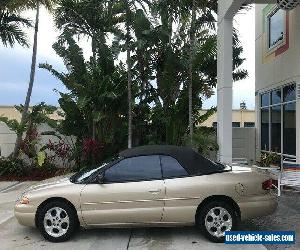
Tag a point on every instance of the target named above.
point(180, 204)
point(132, 192)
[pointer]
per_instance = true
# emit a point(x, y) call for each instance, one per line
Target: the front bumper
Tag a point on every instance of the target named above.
point(25, 214)
point(257, 206)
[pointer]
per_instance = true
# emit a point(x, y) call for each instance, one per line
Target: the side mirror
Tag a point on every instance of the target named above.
point(100, 178)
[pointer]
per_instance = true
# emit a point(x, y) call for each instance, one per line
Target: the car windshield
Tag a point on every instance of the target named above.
point(84, 174)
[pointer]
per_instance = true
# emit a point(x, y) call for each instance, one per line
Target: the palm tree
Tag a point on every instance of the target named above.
point(11, 24)
point(129, 10)
point(129, 73)
point(192, 52)
point(95, 93)
point(92, 19)
point(32, 4)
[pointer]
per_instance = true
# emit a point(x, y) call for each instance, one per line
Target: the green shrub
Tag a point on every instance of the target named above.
point(49, 166)
point(268, 159)
point(204, 140)
point(9, 166)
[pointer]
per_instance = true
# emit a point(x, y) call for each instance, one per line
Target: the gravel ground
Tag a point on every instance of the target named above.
point(286, 218)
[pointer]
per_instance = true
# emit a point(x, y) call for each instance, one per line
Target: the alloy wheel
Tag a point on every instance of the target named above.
point(217, 221)
point(56, 222)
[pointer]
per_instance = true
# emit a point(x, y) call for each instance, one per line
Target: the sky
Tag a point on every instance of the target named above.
point(15, 66)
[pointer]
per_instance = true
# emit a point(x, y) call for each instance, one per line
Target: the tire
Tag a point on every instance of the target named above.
point(215, 218)
point(57, 221)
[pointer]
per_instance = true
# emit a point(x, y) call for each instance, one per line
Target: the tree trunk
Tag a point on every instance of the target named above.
point(94, 61)
point(129, 75)
point(94, 47)
point(192, 46)
point(129, 99)
point(31, 81)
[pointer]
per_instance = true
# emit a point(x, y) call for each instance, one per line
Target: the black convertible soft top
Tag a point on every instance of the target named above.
point(193, 162)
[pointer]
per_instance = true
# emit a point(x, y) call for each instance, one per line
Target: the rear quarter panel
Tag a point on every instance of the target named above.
point(184, 195)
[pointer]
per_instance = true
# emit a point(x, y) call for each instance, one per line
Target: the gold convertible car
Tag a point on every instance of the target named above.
point(149, 186)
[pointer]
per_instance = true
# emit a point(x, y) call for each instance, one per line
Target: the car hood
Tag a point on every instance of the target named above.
point(54, 182)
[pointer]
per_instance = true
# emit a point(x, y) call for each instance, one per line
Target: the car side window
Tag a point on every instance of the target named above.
point(140, 168)
point(171, 168)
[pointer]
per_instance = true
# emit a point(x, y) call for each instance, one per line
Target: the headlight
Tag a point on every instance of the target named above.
point(24, 200)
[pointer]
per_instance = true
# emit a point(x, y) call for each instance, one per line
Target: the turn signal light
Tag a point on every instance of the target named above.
point(267, 185)
point(24, 200)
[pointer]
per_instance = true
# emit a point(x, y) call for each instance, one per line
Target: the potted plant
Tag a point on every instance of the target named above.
point(270, 160)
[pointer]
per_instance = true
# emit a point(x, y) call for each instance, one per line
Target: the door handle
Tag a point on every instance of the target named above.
point(154, 191)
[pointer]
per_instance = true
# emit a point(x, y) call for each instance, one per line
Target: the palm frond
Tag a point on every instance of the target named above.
point(11, 32)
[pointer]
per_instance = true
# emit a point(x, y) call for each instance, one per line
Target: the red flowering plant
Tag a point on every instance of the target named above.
point(61, 151)
point(92, 151)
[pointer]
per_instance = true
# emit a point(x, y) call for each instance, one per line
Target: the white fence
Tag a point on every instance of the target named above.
point(7, 140)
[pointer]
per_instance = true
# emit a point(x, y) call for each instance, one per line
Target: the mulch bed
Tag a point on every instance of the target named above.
point(34, 175)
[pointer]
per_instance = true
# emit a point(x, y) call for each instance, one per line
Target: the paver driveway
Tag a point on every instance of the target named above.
point(14, 236)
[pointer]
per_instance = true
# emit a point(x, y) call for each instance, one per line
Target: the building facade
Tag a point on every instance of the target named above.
point(277, 82)
point(241, 118)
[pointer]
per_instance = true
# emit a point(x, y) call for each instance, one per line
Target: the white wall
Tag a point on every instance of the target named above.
point(285, 67)
point(8, 138)
point(243, 144)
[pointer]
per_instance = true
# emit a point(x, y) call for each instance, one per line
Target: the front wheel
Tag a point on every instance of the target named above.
point(215, 218)
point(57, 221)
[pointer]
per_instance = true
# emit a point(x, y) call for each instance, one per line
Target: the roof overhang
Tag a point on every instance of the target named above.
point(228, 8)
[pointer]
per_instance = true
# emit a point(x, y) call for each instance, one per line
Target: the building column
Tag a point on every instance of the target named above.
point(297, 124)
point(257, 127)
point(224, 89)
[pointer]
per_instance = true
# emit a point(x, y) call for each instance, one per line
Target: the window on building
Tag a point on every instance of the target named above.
point(276, 128)
point(276, 96)
point(278, 121)
point(236, 124)
point(289, 128)
point(265, 99)
point(289, 93)
point(249, 124)
point(276, 23)
point(265, 129)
